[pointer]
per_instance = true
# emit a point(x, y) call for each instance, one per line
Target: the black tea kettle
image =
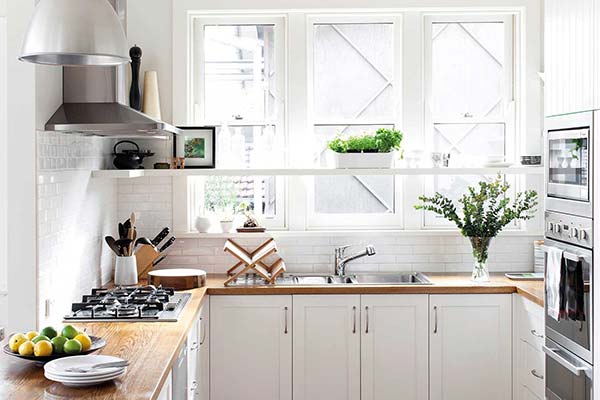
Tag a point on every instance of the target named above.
point(129, 159)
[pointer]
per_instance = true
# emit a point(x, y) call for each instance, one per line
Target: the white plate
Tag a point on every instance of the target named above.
point(78, 383)
point(82, 379)
point(85, 377)
point(58, 367)
point(498, 165)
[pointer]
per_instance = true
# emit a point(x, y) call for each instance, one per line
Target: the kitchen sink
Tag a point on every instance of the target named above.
point(384, 278)
point(412, 278)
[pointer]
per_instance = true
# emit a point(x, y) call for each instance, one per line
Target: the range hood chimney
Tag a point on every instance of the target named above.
point(94, 100)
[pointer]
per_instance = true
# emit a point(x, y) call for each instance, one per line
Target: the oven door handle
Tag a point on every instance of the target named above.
point(566, 254)
point(575, 369)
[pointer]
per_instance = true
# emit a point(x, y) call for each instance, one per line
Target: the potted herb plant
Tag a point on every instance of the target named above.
point(366, 151)
point(485, 212)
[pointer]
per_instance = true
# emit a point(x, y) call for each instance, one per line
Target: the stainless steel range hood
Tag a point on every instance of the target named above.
point(93, 102)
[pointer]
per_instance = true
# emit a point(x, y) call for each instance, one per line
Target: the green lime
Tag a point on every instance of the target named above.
point(69, 331)
point(40, 337)
point(58, 343)
point(72, 346)
point(49, 332)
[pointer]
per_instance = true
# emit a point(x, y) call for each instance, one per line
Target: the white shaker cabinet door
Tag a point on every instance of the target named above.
point(250, 348)
point(203, 374)
point(326, 347)
point(394, 347)
point(470, 347)
point(570, 75)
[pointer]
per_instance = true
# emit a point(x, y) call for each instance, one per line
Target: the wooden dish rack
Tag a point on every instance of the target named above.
point(254, 261)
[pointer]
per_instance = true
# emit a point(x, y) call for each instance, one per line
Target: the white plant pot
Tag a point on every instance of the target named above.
point(226, 226)
point(126, 271)
point(203, 224)
point(364, 160)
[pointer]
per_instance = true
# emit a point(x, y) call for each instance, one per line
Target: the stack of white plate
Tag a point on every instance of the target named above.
point(59, 370)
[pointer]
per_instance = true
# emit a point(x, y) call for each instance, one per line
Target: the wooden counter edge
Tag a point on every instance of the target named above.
point(195, 311)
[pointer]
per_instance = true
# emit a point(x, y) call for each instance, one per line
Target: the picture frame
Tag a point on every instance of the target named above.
point(197, 144)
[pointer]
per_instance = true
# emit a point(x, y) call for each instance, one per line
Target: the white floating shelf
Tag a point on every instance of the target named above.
point(118, 173)
point(534, 170)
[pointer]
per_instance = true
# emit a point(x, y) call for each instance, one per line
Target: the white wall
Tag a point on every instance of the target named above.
point(3, 150)
point(149, 26)
point(20, 170)
point(75, 212)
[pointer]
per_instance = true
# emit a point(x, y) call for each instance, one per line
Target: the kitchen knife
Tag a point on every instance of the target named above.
point(167, 244)
point(160, 237)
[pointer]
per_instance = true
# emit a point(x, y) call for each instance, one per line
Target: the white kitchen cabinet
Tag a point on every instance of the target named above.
point(166, 393)
point(569, 65)
point(193, 360)
point(326, 347)
point(203, 391)
point(394, 347)
point(470, 347)
point(528, 357)
point(250, 347)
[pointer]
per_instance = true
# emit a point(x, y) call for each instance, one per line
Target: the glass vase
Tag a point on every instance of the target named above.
point(480, 247)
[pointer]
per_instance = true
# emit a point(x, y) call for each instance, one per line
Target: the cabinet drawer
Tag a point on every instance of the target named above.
point(534, 368)
point(531, 323)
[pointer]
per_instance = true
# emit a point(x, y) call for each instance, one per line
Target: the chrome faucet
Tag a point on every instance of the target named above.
point(341, 260)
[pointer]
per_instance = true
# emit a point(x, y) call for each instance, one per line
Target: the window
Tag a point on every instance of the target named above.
point(239, 74)
point(354, 68)
point(470, 112)
point(278, 86)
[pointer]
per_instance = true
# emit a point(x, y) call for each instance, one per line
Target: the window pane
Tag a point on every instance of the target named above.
point(353, 70)
point(354, 194)
point(224, 194)
point(469, 144)
point(248, 147)
point(239, 72)
point(468, 69)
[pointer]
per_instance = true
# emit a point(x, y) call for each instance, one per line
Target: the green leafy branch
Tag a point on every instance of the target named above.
point(486, 209)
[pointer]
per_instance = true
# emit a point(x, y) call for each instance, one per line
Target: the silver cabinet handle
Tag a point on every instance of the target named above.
point(203, 329)
point(354, 319)
point(536, 334)
point(534, 373)
point(435, 319)
point(573, 366)
point(285, 328)
point(367, 319)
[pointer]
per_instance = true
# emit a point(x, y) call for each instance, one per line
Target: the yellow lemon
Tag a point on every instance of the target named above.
point(85, 341)
point(31, 334)
point(26, 348)
point(15, 341)
point(43, 348)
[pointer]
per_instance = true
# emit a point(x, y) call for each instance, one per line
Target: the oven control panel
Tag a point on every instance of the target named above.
point(569, 228)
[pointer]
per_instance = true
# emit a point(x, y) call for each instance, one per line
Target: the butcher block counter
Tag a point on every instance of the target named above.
point(152, 348)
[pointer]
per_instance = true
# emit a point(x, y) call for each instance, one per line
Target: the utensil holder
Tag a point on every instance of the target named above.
point(126, 271)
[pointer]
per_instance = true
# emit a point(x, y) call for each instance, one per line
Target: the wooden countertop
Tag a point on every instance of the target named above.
point(152, 347)
point(443, 283)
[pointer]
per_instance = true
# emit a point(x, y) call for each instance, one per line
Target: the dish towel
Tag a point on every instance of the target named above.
point(572, 291)
point(553, 274)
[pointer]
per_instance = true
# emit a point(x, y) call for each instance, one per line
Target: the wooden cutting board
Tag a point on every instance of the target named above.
point(178, 278)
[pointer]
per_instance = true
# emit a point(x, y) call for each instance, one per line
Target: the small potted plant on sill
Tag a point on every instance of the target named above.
point(485, 212)
point(366, 151)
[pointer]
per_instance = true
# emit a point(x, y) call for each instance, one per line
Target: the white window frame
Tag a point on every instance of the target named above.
point(319, 221)
point(412, 115)
point(510, 94)
point(187, 192)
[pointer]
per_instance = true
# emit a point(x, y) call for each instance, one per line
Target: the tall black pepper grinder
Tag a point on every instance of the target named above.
point(135, 96)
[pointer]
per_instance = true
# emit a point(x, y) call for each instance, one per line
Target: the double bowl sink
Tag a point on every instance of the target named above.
point(411, 278)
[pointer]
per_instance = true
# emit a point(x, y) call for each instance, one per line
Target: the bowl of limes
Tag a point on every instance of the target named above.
point(50, 344)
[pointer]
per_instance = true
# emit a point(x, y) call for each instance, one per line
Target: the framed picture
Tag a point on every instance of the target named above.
point(197, 145)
